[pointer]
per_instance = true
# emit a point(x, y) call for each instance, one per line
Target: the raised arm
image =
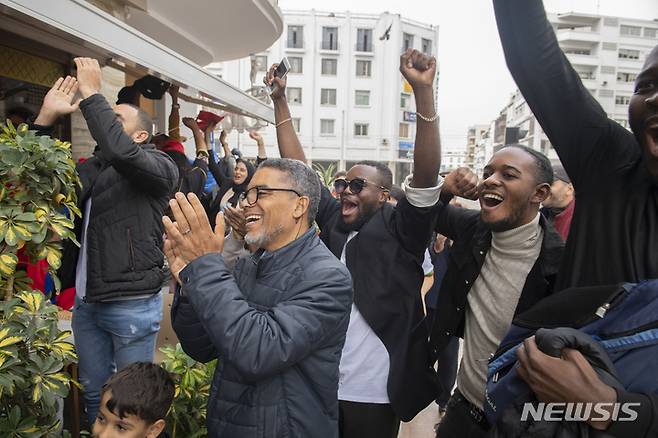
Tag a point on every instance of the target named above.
point(579, 129)
point(420, 71)
point(174, 115)
point(289, 145)
point(147, 168)
point(262, 154)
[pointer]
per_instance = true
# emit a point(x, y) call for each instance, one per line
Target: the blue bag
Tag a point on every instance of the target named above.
point(622, 318)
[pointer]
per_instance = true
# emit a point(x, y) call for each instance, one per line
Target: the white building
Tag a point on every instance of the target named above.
point(452, 159)
point(347, 97)
point(607, 52)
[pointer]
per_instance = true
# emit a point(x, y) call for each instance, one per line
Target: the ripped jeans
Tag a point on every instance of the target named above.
point(110, 336)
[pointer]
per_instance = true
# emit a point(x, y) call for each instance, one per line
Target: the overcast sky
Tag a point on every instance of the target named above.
point(474, 81)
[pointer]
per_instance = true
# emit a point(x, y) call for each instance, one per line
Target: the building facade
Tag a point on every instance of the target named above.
point(607, 53)
point(347, 97)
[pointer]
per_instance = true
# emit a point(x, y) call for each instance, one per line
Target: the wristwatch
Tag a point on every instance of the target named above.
point(175, 105)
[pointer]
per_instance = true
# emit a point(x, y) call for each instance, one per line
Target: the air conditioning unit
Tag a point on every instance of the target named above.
point(385, 141)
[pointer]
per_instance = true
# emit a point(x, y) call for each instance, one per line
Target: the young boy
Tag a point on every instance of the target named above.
point(134, 403)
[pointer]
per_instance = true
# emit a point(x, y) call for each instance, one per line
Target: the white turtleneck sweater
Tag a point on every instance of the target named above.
point(492, 301)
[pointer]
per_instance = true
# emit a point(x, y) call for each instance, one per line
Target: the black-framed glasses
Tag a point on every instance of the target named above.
point(355, 185)
point(251, 196)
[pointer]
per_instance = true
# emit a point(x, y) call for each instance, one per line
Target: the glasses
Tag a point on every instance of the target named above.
point(355, 185)
point(251, 196)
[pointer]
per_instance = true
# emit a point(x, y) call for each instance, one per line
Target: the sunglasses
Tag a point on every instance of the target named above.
point(356, 185)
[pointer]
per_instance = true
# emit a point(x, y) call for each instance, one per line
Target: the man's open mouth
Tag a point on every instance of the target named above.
point(252, 219)
point(491, 200)
point(348, 207)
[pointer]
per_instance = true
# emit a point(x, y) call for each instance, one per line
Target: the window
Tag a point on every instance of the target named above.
point(295, 37)
point(650, 32)
point(404, 101)
point(329, 38)
point(404, 130)
point(294, 95)
point(364, 40)
point(608, 69)
point(328, 96)
point(360, 129)
point(327, 126)
point(296, 124)
point(630, 30)
point(578, 52)
point(427, 46)
point(329, 66)
point(363, 68)
point(407, 41)
point(606, 93)
point(609, 46)
point(296, 64)
point(261, 62)
point(622, 100)
point(362, 98)
point(626, 77)
point(629, 54)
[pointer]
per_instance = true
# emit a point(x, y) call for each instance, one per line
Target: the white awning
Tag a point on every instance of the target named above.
point(84, 30)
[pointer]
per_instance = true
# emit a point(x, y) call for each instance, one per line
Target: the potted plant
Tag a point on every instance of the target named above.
point(187, 416)
point(37, 207)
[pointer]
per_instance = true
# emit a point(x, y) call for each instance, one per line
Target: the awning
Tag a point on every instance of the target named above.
point(82, 29)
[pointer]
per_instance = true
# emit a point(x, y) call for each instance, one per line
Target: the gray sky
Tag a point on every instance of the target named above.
point(474, 81)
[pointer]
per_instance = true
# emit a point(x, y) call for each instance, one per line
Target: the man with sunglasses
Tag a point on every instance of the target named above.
point(277, 323)
point(385, 371)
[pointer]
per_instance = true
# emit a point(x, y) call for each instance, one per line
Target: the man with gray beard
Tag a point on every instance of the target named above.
point(278, 322)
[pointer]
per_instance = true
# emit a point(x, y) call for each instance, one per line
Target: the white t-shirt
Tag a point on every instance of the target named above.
point(364, 364)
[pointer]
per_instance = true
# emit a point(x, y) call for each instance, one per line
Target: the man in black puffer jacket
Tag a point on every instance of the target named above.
point(278, 323)
point(118, 271)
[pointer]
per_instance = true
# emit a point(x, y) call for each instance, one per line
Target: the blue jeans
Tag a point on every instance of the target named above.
point(110, 336)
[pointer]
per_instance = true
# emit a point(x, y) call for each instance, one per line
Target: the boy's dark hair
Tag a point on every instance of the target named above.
point(384, 172)
point(142, 389)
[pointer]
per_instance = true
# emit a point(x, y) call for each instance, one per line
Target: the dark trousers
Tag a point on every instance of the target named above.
point(447, 371)
point(462, 420)
point(367, 420)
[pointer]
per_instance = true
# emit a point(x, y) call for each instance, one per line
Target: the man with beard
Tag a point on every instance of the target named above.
point(385, 371)
point(614, 233)
point(503, 260)
point(276, 322)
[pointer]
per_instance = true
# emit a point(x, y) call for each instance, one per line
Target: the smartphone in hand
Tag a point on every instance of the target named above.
point(280, 72)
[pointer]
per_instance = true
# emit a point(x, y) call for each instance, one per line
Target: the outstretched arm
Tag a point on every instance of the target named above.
point(289, 145)
point(588, 143)
point(174, 115)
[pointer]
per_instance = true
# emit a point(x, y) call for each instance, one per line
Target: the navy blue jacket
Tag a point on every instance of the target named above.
point(278, 327)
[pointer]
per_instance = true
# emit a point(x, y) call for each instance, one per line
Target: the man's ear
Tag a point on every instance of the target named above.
point(155, 429)
point(301, 208)
point(384, 196)
point(542, 191)
point(140, 137)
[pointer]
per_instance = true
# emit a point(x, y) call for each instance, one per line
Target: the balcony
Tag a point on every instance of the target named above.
point(329, 46)
point(295, 46)
point(578, 36)
point(588, 60)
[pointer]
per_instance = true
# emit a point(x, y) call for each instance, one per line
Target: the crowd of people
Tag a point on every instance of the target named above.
point(337, 311)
